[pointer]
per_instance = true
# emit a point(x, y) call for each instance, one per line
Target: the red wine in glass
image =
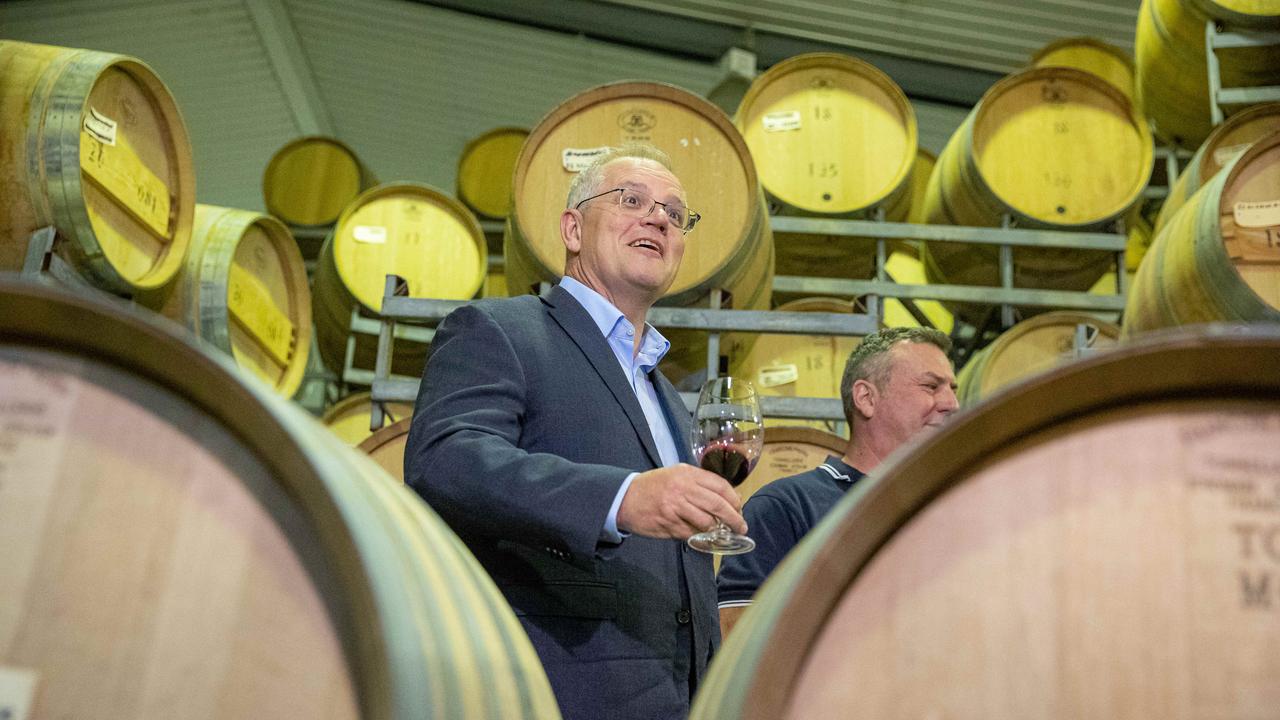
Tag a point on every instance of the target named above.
point(727, 439)
point(728, 461)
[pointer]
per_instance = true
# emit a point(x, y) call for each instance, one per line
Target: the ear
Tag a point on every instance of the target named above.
point(571, 230)
point(865, 397)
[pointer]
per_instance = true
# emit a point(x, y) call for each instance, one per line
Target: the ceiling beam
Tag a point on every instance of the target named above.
point(707, 41)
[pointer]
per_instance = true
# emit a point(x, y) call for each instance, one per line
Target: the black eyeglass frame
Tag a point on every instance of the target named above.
point(690, 221)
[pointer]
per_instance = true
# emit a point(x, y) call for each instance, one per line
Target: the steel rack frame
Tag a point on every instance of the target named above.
point(716, 320)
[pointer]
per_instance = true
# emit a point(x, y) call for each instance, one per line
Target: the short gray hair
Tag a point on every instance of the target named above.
point(870, 360)
point(587, 182)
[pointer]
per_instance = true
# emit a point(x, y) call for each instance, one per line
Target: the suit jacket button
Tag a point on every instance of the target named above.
point(683, 617)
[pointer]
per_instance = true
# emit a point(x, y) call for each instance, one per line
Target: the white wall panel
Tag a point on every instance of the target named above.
point(406, 84)
point(409, 84)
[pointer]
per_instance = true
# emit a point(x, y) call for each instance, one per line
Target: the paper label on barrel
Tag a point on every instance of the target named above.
point(781, 121)
point(118, 170)
point(101, 127)
point(253, 307)
point(579, 159)
point(776, 375)
point(17, 688)
point(370, 234)
point(1257, 214)
point(1227, 153)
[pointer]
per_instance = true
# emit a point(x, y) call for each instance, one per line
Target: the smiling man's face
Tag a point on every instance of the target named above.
point(623, 257)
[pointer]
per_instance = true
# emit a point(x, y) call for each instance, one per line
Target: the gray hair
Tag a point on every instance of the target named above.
point(587, 182)
point(870, 360)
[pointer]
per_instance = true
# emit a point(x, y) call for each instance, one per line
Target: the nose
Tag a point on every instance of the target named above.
point(947, 400)
point(658, 216)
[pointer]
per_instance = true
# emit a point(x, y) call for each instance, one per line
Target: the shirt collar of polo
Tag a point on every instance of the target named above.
point(837, 469)
point(614, 325)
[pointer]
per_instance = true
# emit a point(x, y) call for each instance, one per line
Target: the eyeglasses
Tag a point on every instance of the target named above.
point(637, 203)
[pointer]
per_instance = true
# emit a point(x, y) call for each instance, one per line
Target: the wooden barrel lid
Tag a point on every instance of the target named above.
point(414, 231)
point(1029, 348)
point(349, 417)
point(1257, 14)
point(707, 154)
point(798, 365)
point(1249, 219)
point(244, 289)
point(1040, 547)
point(790, 450)
point(1091, 55)
point(1227, 142)
point(485, 169)
point(1061, 146)
point(223, 558)
point(311, 179)
point(830, 134)
point(386, 447)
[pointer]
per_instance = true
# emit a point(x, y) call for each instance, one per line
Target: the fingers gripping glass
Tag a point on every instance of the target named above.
point(728, 437)
point(637, 203)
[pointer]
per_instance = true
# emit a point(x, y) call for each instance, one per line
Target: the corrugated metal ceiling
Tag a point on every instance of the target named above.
point(995, 35)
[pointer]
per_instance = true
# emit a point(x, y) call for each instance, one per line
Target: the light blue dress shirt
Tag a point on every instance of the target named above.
point(620, 334)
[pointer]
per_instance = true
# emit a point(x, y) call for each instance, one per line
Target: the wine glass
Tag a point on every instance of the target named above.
point(727, 438)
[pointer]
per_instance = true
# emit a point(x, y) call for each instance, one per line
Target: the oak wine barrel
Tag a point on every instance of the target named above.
point(731, 248)
point(350, 417)
point(808, 366)
point(485, 169)
point(181, 542)
point(1030, 348)
point(1227, 141)
point(244, 289)
point(1053, 148)
point(311, 179)
point(407, 229)
point(1093, 56)
point(93, 143)
point(1040, 555)
point(831, 136)
point(1171, 75)
point(1218, 257)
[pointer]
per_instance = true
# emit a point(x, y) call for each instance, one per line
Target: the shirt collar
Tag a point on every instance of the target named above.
point(612, 323)
point(839, 470)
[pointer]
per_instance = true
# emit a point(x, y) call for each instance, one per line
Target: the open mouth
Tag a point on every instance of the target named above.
point(647, 245)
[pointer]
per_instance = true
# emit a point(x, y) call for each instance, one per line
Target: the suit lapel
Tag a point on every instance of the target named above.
point(678, 418)
point(577, 323)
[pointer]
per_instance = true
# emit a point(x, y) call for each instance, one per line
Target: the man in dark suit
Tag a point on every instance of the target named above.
point(546, 438)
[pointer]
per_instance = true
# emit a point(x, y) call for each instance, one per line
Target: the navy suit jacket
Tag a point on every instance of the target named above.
point(524, 430)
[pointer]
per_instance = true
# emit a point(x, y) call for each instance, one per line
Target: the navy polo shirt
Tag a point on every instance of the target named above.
point(779, 515)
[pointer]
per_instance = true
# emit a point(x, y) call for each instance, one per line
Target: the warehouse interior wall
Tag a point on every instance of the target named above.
point(405, 84)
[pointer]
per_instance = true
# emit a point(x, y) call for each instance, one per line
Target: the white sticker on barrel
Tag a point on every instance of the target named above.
point(17, 688)
point(781, 121)
point(1227, 153)
point(100, 127)
point(776, 375)
point(579, 159)
point(1257, 214)
point(370, 234)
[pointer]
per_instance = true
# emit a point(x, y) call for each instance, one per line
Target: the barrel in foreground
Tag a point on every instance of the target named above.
point(1042, 556)
point(180, 541)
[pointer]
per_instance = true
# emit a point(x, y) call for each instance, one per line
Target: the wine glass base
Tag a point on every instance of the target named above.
point(721, 543)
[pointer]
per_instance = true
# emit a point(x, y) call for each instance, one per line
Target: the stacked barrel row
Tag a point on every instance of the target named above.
point(180, 540)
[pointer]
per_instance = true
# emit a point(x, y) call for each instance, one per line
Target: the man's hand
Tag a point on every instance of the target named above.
point(679, 501)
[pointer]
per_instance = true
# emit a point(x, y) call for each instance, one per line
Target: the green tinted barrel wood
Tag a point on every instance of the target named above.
point(224, 557)
point(1218, 257)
